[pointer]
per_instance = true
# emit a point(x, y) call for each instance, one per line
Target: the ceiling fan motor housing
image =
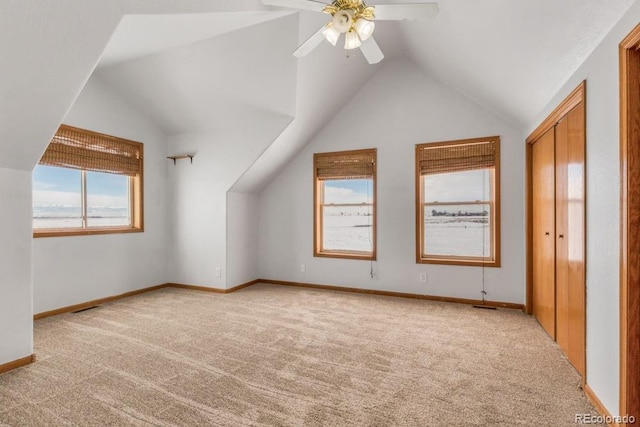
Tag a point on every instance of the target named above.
point(346, 13)
point(343, 20)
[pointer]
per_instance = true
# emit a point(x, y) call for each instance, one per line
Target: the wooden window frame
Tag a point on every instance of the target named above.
point(136, 201)
point(318, 205)
point(494, 204)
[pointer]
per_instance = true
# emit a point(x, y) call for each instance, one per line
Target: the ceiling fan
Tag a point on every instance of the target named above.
point(355, 20)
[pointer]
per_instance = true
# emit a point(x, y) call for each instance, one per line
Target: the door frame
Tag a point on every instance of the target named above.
point(578, 95)
point(629, 224)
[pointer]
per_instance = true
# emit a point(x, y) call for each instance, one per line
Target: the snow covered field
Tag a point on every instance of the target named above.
point(349, 228)
point(71, 217)
point(457, 236)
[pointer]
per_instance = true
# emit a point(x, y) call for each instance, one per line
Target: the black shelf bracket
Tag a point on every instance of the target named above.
point(182, 156)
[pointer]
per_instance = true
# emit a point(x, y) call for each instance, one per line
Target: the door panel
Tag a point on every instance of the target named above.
point(562, 236)
point(576, 238)
point(543, 230)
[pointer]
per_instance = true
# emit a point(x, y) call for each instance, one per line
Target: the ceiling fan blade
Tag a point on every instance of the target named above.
point(311, 43)
point(315, 6)
point(371, 51)
point(400, 12)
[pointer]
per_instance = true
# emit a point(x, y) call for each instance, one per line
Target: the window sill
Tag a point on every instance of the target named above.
point(85, 231)
point(469, 262)
point(346, 255)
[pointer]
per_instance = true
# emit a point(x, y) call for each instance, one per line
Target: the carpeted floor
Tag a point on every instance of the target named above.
point(273, 355)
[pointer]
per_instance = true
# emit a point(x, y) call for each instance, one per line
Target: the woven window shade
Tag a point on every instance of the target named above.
point(457, 157)
point(81, 149)
point(345, 165)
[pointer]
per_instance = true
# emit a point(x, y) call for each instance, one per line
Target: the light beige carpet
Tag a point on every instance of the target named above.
point(273, 355)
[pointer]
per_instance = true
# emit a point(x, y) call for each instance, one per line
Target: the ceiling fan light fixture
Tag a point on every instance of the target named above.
point(351, 40)
point(364, 28)
point(330, 33)
point(343, 20)
point(355, 19)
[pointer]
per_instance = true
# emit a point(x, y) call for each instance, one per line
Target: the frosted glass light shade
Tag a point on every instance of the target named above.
point(364, 28)
point(330, 33)
point(352, 41)
point(342, 20)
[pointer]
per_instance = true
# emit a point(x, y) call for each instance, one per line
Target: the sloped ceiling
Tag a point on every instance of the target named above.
point(211, 80)
point(48, 51)
point(204, 63)
point(326, 80)
point(142, 35)
point(43, 68)
point(220, 81)
point(511, 56)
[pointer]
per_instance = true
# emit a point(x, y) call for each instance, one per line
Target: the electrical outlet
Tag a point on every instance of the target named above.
point(422, 277)
point(218, 272)
point(303, 268)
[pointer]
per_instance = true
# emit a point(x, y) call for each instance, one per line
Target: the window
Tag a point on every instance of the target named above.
point(458, 202)
point(345, 204)
point(87, 183)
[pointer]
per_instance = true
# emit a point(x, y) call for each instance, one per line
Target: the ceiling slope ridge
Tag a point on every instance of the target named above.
point(511, 58)
point(45, 69)
point(267, 115)
point(125, 46)
point(287, 145)
point(235, 188)
point(489, 108)
point(219, 82)
point(115, 93)
point(384, 73)
point(241, 145)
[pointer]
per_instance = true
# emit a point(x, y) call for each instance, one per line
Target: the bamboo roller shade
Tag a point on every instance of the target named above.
point(345, 164)
point(82, 149)
point(456, 157)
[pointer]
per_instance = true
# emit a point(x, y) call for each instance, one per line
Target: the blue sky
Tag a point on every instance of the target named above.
point(60, 186)
point(51, 182)
point(356, 185)
point(49, 178)
point(348, 191)
point(446, 187)
point(467, 186)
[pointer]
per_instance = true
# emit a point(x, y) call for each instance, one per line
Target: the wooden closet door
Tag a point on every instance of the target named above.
point(561, 236)
point(570, 237)
point(576, 239)
point(543, 230)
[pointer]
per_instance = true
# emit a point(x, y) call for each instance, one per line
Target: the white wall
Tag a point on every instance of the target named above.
point(603, 207)
point(43, 70)
point(16, 321)
point(399, 107)
point(242, 238)
point(71, 270)
point(198, 195)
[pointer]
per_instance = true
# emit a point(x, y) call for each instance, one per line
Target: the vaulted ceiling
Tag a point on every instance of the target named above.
point(510, 56)
point(195, 65)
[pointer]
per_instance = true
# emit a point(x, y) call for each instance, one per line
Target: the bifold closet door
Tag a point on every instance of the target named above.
point(543, 230)
point(562, 253)
point(570, 237)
